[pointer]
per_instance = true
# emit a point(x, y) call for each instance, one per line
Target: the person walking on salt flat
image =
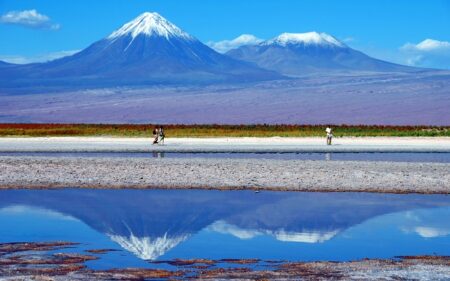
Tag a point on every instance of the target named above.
point(155, 135)
point(329, 132)
point(162, 135)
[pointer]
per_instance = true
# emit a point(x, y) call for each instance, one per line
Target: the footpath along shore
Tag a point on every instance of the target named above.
point(22, 171)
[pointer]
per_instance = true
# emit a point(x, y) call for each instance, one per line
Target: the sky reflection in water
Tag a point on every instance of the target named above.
point(168, 224)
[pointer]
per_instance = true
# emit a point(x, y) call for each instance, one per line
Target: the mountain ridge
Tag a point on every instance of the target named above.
point(147, 50)
point(150, 50)
point(295, 54)
point(307, 38)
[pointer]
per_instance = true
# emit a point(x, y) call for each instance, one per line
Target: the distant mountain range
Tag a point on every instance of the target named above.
point(308, 78)
point(151, 50)
point(305, 53)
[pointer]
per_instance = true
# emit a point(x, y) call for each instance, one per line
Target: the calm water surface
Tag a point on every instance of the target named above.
point(157, 225)
point(436, 157)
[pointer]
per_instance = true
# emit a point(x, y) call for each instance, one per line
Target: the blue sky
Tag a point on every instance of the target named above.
point(386, 29)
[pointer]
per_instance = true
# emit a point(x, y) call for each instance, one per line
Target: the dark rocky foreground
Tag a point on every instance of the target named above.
point(33, 261)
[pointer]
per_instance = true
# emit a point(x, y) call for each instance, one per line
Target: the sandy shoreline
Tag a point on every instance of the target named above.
point(275, 144)
point(264, 174)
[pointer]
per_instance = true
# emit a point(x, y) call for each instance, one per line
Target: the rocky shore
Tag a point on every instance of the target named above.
point(261, 174)
point(33, 261)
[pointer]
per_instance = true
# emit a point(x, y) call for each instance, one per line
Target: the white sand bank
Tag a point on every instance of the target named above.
point(275, 144)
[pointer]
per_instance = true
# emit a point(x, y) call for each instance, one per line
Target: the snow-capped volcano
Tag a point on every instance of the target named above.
point(308, 38)
point(150, 24)
point(147, 50)
point(297, 54)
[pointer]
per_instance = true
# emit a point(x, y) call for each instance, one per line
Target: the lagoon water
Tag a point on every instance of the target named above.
point(155, 225)
point(430, 157)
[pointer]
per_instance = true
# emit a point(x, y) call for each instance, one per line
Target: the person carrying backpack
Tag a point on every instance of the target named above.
point(155, 135)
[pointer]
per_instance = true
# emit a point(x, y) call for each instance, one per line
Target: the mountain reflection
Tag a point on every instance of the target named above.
point(149, 223)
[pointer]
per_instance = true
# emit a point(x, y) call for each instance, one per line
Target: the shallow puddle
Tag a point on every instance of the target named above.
point(132, 227)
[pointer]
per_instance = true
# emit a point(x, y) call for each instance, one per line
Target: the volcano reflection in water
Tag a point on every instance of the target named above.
point(161, 224)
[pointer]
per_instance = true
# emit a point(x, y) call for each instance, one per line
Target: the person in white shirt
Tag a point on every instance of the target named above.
point(329, 132)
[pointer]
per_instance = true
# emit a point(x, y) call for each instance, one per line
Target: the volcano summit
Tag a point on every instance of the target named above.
point(147, 50)
point(297, 54)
